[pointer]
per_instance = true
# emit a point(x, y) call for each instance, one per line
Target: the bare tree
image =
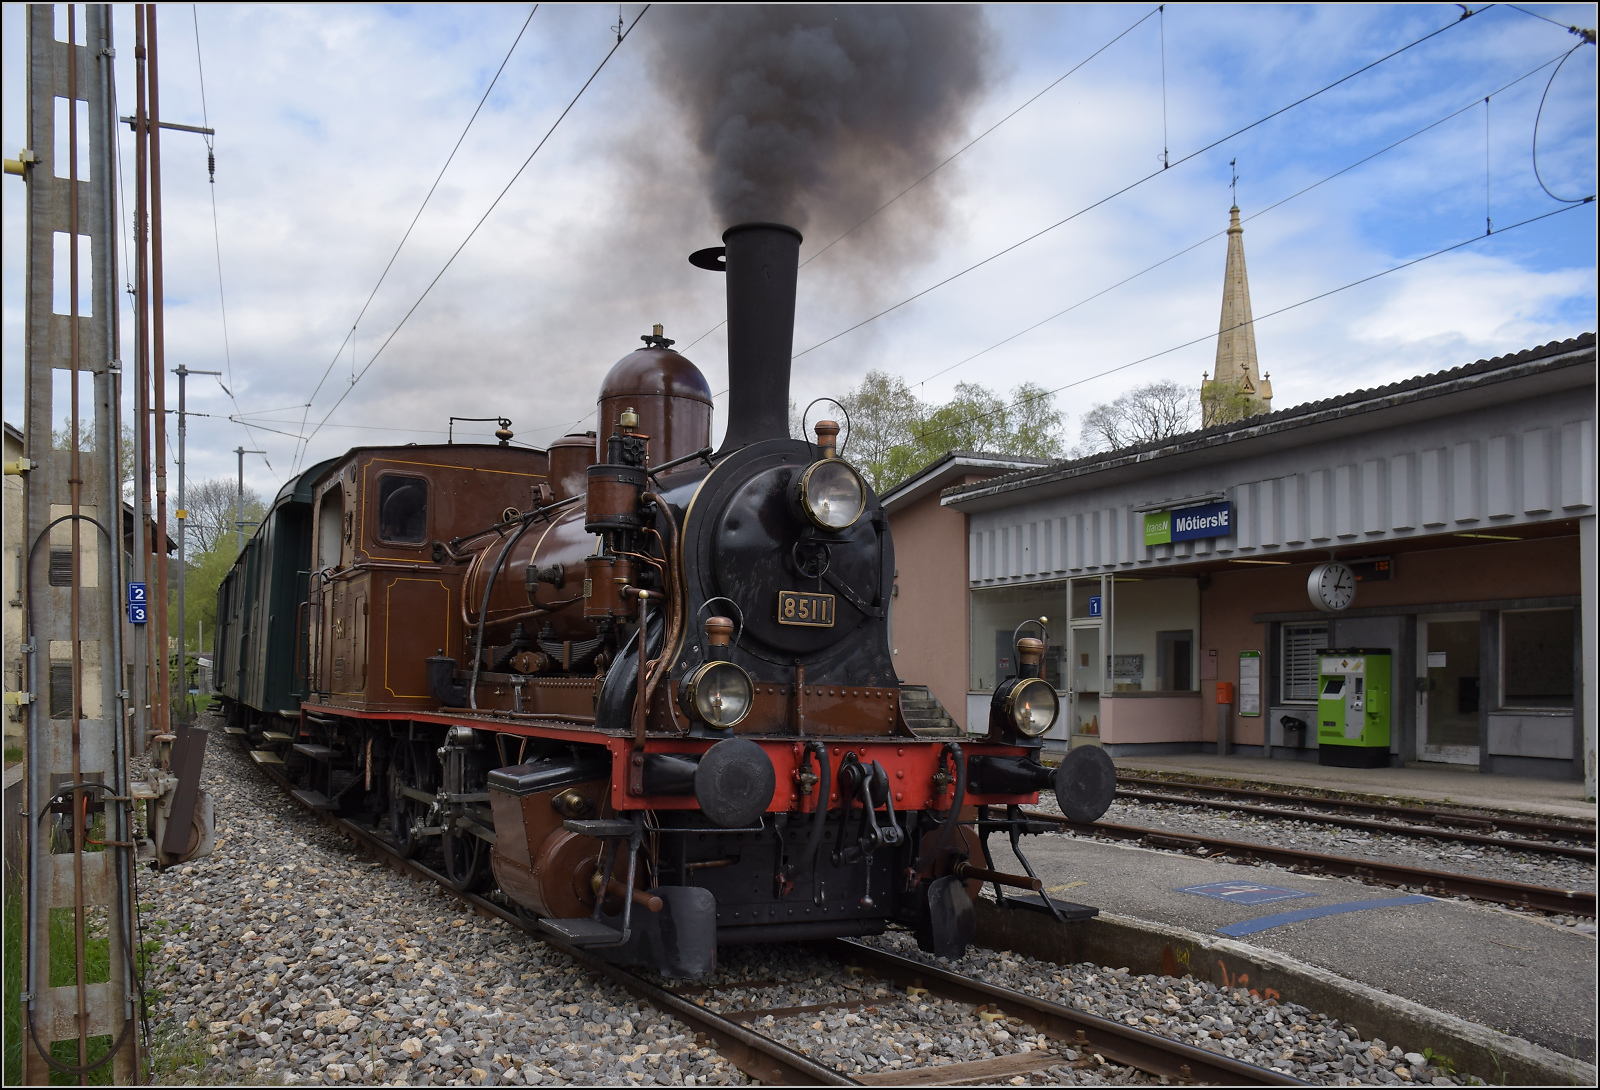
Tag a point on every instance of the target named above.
point(213, 511)
point(1145, 414)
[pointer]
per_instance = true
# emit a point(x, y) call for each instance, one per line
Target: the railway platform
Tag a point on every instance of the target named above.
point(1437, 784)
point(1510, 971)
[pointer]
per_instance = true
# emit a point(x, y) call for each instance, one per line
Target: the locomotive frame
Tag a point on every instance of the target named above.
point(641, 686)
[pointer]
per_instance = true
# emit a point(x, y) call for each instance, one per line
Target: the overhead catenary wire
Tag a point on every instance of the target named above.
point(216, 230)
point(1270, 314)
point(1539, 116)
point(1247, 219)
point(1587, 34)
point(349, 336)
point(487, 212)
point(1139, 182)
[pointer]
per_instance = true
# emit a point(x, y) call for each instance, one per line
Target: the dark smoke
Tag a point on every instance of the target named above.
point(816, 115)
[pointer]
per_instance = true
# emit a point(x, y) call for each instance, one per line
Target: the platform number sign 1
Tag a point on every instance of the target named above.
point(138, 604)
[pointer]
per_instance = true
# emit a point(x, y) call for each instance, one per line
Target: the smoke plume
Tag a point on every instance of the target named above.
point(817, 115)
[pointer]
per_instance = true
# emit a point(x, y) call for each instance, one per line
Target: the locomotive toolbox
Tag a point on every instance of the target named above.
point(639, 685)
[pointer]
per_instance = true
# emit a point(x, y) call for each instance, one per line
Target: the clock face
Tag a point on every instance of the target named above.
point(1332, 587)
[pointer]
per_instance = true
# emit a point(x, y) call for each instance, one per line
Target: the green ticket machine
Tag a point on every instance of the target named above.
point(1353, 707)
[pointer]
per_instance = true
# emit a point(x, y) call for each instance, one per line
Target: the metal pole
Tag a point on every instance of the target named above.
point(238, 510)
point(163, 706)
point(141, 431)
point(99, 18)
point(183, 374)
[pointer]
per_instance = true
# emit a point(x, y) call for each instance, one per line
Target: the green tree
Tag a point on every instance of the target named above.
point(894, 434)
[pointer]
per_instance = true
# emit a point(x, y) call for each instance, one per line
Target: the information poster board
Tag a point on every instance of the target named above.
point(1249, 682)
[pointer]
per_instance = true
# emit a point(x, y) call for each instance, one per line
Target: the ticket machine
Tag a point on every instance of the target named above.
point(1353, 707)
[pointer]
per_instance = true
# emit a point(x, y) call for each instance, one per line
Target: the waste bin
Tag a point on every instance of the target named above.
point(1294, 732)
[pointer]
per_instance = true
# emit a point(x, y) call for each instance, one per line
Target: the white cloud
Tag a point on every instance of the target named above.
point(333, 121)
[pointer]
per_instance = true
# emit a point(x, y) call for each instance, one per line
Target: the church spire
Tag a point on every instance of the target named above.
point(1237, 389)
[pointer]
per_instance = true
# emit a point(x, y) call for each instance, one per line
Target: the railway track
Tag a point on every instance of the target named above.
point(772, 1062)
point(1446, 824)
point(1500, 891)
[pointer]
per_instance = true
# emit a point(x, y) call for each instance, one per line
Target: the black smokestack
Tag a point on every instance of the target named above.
point(762, 262)
point(816, 115)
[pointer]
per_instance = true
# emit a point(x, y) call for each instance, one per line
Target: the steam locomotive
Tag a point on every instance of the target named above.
point(642, 686)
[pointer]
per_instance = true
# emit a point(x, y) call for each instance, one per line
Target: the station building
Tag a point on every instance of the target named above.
point(1462, 502)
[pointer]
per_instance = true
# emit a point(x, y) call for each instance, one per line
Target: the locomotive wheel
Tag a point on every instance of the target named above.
point(466, 861)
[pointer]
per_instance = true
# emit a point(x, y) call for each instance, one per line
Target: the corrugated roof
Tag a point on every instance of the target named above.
point(1268, 421)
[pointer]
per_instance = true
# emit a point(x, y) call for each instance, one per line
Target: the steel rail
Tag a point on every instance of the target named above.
point(1112, 1040)
point(774, 1063)
point(1518, 894)
point(1533, 826)
point(1572, 851)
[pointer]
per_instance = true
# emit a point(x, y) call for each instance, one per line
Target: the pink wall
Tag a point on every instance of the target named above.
point(930, 612)
point(1544, 567)
point(1162, 717)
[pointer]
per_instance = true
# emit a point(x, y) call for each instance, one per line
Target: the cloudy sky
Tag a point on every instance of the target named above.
point(332, 123)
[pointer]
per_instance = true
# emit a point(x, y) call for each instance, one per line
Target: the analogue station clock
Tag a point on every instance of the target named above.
point(1332, 587)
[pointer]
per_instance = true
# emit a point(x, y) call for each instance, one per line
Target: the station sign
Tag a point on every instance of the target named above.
point(138, 604)
point(1188, 523)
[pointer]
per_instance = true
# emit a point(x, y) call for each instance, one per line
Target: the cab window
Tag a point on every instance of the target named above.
point(403, 509)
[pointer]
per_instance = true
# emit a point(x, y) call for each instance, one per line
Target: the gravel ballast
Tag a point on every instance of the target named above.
point(289, 956)
point(1231, 1022)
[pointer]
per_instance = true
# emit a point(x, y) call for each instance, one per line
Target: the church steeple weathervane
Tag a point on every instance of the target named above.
point(1237, 389)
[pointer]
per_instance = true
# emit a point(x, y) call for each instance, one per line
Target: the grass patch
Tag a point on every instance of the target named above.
point(177, 1054)
point(13, 981)
point(96, 946)
point(13, 755)
point(62, 953)
point(67, 1052)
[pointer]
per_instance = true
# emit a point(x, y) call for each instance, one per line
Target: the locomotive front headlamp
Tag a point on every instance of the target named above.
point(719, 694)
point(1033, 706)
point(832, 494)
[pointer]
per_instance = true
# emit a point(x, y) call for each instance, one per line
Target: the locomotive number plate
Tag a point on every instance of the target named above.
point(811, 610)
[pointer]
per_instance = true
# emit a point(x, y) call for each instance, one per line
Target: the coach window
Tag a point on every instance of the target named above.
point(330, 528)
point(403, 509)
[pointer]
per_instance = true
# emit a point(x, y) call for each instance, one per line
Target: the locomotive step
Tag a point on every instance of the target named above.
point(316, 800)
point(1070, 910)
point(265, 757)
point(276, 736)
point(233, 730)
point(315, 752)
point(600, 827)
point(582, 932)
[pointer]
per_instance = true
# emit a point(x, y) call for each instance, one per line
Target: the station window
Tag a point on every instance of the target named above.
point(1297, 662)
point(1153, 626)
point(1537, 666)
point(403, 509)
point(996, 612)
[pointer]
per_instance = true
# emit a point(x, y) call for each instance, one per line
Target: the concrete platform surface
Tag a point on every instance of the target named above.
point(1509, 972)
point(1519, 794)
